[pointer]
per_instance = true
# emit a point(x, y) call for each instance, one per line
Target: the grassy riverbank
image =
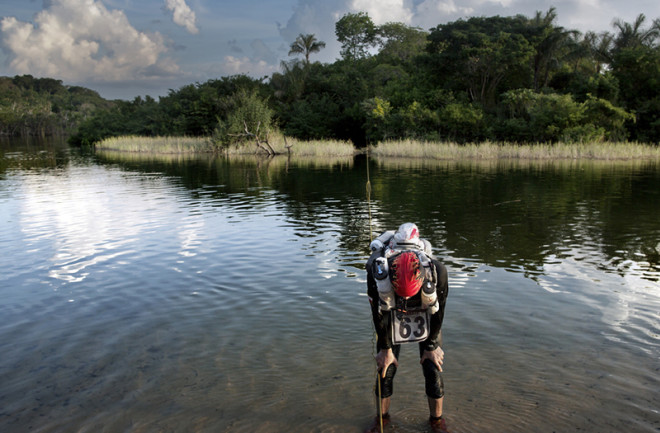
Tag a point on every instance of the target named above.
point(174, 145)
point(156, 144)
point(393, 149)
point(489, 150)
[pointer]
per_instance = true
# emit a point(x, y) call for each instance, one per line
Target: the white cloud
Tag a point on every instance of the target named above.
point(244, 65)
point(383, 11)
point(182, 15)
point(82, 40)
point(434, 9)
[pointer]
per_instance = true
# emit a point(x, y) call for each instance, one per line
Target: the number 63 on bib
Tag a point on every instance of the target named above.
point(410, 326)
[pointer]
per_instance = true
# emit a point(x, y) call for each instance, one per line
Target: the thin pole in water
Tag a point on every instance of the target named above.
point(371, 238)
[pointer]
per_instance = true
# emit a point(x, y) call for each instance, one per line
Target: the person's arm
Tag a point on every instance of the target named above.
point(381, 321)
point(385, 357)
point(432, 349)
point(442, 290)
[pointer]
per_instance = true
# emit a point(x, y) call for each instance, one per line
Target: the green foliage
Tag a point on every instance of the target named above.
point(43, 106)
point(535, 117)
point(580, 85)
point(245, 111)
point(313, 118)
point(193, 110)
point(411, 121)
point(400, 43)
point(357, 34)
point(551, 45)
point(325, 101)
point(462, 122)
point(637, 70)
point(378, 112)
point(481, 55)
point(605, 116)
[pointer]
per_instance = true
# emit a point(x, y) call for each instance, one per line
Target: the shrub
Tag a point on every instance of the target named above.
point(245, 109)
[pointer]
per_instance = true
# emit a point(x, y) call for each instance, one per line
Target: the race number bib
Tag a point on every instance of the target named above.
point(410, 327)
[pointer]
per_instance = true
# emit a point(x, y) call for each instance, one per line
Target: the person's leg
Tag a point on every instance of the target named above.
point(435, 394)
point(435, 389)
point(382, 419)
point(435, 407)
point(436, 420)
point(385, 385)
point(384, 389)
point(385, 405)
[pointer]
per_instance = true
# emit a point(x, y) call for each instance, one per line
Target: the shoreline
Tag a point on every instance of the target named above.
point(404, 149)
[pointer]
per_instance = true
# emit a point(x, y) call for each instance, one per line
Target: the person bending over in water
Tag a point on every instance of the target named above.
point(407, 289)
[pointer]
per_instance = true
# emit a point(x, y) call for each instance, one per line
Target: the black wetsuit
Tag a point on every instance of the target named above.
point(433, 377)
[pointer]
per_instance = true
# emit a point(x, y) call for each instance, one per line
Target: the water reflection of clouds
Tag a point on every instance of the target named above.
point(77, 213)
point(628, 302)
point(191, 235)
point(624, 300)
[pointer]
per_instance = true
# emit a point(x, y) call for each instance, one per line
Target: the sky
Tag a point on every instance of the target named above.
point(128, 48)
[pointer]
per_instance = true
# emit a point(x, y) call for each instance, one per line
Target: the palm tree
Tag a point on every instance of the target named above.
point(601, 48)
point(549, 43)
point(306, 44)
point(633, 35)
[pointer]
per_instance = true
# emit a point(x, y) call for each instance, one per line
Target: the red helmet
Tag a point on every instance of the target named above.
point(406, 274)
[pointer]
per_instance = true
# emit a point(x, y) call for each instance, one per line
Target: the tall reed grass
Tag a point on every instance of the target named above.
point(288, 146)
point(294, 147)
point(392, 149)
point(257, 160)
point(491, 150)
point(132, 143)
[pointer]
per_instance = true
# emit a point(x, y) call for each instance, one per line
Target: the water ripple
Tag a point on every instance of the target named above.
point(143, 299)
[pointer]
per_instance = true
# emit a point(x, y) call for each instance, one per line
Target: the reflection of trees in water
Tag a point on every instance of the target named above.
point(518, 215)
point(513, 214)
point(32, 153)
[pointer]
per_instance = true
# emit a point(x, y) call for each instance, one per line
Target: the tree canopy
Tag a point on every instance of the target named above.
point(357, 34)
point(497, 78)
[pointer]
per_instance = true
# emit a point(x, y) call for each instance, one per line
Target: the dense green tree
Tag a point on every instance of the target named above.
point(378, 119)
point(581, 85)
point(193, 110)
point(463, 122)
point(357, 34)
point(399, 43)
point(44, 106)
point(537, 117)
point(480, 56)
point(289, 85)
point(637, 70)
point(315, 117)
point(636, 65)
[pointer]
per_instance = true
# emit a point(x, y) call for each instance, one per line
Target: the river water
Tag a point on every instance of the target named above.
point(202, 294)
